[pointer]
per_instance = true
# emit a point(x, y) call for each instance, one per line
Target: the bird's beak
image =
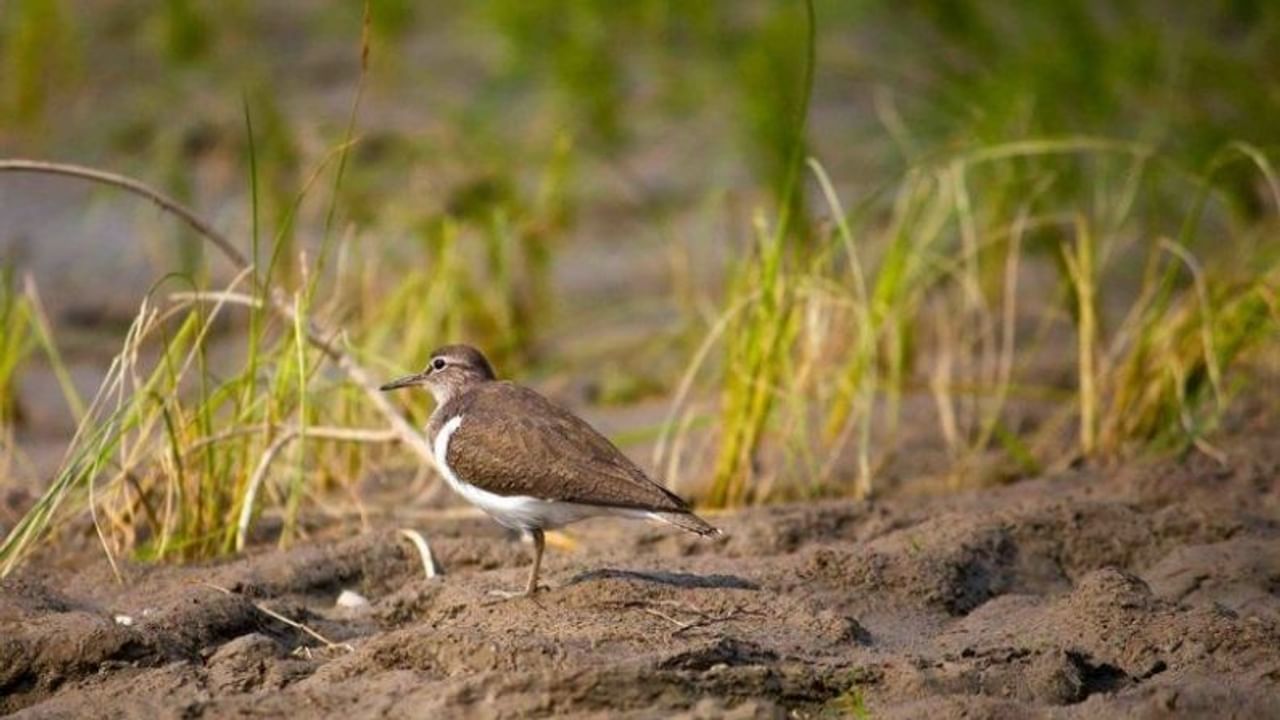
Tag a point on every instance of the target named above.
point(406, 381)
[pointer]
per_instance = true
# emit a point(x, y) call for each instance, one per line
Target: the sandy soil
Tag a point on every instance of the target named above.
point(1148, 592)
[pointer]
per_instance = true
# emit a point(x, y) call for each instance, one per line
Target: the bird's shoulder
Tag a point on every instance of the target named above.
point(500, 413)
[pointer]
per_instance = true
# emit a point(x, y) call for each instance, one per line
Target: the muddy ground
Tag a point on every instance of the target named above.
point(1152, 591)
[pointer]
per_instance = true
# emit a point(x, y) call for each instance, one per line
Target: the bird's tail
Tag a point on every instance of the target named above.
point(687, 521)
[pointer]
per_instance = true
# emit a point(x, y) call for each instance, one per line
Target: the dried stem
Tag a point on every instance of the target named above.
point(430, 565)
point(278, 445)
point(137, 188)
point(286, 620)
point(318, 337)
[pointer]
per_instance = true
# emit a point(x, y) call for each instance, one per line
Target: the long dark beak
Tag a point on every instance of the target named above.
point(406, 381)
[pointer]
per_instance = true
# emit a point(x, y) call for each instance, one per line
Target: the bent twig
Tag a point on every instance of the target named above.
point(318, 337)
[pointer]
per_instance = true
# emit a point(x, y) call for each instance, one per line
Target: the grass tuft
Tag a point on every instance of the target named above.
point(16, 342)
point(944, 289)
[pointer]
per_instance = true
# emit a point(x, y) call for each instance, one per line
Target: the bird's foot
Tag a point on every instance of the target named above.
point(512, 594)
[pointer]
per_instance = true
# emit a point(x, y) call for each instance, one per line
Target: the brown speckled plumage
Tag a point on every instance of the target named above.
point(513, 441)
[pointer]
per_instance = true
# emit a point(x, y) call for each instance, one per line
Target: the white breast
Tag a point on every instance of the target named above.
point(518, 512)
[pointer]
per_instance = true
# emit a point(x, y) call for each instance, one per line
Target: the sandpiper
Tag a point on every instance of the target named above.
point(527, 462)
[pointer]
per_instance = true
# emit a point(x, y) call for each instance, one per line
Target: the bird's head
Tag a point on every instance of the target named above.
point(452, 370)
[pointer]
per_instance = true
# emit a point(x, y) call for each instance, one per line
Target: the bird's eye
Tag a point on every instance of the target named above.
point(437, 364)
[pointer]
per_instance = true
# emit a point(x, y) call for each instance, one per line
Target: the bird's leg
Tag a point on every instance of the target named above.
point(539, 544)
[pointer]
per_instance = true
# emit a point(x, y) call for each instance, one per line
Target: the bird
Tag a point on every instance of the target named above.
point(528, 463)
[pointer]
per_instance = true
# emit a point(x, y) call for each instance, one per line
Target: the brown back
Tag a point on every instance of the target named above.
point(513, 441)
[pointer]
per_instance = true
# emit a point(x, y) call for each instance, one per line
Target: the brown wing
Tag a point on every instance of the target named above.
point(513, 441)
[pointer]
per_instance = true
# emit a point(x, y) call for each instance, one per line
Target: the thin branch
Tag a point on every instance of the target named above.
point(319, 433)
point(680, 626)
point(255, 482)
point(321, 340)
point(354, 371)
point(137, 188)
point(702, 617)
point(430, 566)
point(287, 621)
point(228, 296)
point(278, 445)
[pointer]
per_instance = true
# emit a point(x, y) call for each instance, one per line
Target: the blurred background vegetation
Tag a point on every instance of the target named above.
point(746, 238)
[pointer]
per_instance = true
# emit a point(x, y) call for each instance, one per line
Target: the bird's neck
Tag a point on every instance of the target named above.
point(446, 391)
point(445, 395)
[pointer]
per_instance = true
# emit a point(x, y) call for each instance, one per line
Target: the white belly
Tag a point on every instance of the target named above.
point(518, 512)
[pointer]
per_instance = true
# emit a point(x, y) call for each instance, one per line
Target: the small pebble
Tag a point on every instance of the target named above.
point(352, 599)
